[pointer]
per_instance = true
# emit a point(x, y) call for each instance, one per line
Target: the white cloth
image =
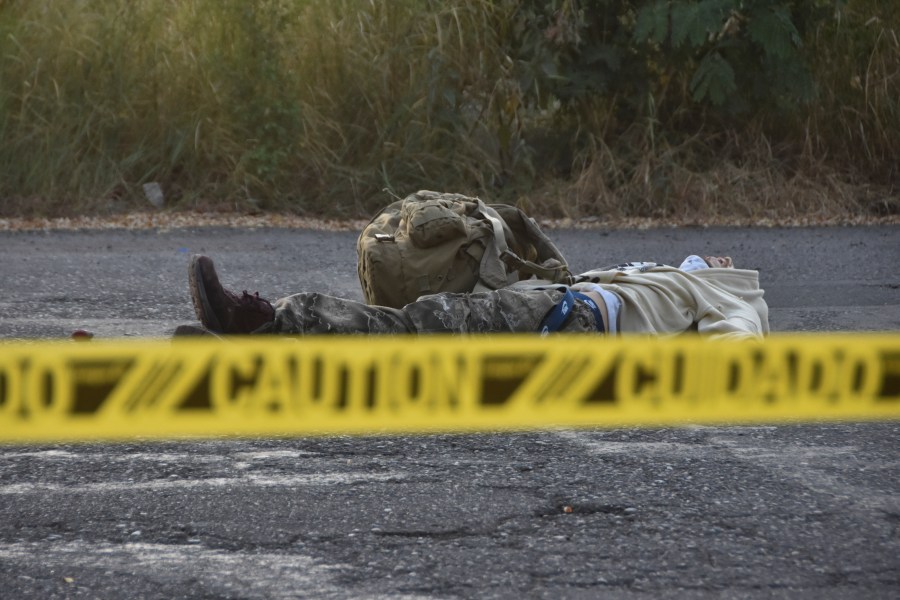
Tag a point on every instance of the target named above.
point(724, 303)
point(693, 263)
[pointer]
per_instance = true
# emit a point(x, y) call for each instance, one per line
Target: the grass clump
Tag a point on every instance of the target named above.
point(618, 108)
point(311, 106)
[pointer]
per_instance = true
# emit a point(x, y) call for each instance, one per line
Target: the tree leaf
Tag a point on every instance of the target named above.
point(652, 23)
point(713, 80)
point(772, 29)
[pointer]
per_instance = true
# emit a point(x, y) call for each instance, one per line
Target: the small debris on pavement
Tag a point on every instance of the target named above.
point(153, 192)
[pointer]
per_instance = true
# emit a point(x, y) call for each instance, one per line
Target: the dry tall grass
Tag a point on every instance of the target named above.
point(316, 107)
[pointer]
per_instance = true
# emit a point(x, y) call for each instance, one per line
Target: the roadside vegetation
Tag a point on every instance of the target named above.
point(665, 109)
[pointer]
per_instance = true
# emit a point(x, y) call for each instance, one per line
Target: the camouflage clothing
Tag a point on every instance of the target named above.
point(500, 311)
point(642, 298)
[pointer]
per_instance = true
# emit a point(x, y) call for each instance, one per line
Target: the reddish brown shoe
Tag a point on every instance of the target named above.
point(223, 311)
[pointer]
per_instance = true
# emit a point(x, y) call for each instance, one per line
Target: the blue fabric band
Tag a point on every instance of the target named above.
point(598, 316)
point(557, 317)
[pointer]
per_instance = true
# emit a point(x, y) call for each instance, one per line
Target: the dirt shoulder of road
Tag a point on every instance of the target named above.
point(188, 220)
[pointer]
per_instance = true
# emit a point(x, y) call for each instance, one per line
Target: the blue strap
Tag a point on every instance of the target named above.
point(598, 316)
point(558, 315)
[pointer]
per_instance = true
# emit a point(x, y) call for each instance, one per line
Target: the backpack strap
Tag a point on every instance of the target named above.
point(492, 275)
point(548, 262)
point(557, 273)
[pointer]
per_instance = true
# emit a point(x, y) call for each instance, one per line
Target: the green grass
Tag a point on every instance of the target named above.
point(318, 107)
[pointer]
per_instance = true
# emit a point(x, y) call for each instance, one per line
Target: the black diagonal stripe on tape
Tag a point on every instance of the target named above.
point(890, 381)
point(94, 380)
point(503, 374)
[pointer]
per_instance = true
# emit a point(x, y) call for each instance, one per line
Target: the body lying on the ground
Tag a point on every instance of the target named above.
point(706, 295)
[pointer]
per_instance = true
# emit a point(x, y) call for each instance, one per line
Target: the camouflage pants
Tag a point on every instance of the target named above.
point(500, 311)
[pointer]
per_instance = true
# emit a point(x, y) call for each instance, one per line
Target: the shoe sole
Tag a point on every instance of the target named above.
point(198, 296)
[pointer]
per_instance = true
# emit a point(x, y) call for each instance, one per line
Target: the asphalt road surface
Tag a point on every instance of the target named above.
point(806, 511)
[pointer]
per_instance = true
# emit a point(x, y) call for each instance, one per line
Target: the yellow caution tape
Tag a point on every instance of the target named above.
point(316, 385)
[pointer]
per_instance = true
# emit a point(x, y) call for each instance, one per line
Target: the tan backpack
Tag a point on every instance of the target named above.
point(433, 242)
